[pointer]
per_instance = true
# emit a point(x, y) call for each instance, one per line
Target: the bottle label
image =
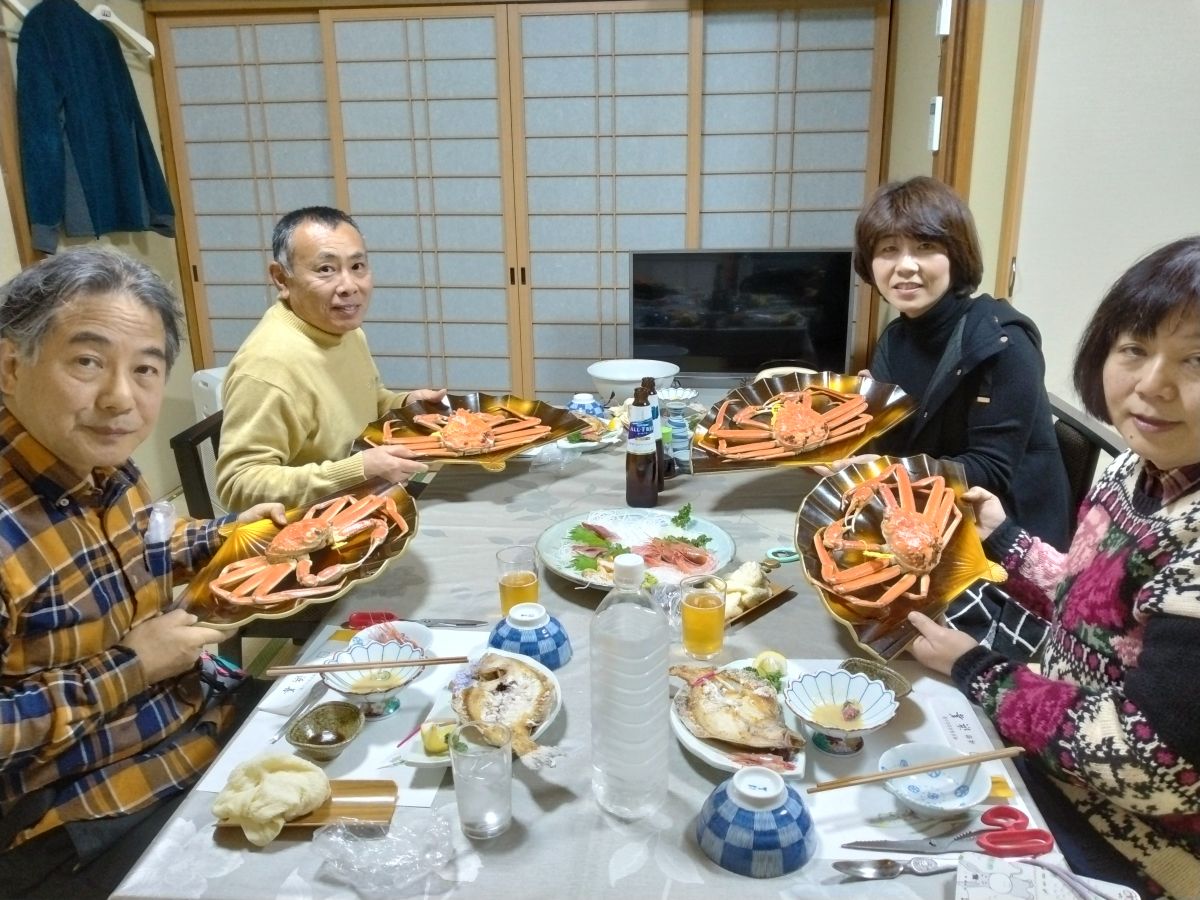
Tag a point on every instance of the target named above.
point(641, 435)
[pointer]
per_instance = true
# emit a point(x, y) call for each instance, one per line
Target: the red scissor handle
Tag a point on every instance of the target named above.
point(1016, 842)
point(1004, 817)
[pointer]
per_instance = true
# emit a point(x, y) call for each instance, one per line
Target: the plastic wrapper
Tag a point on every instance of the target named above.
point(554, 458)
point(378, 861)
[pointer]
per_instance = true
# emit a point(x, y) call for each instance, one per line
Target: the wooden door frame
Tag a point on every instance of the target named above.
point(958, 85)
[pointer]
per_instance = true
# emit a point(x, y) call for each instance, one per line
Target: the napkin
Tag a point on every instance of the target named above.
point(286, 695)
point(982, 877)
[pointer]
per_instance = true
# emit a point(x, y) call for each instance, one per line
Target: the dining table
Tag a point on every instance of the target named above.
point(560, 841)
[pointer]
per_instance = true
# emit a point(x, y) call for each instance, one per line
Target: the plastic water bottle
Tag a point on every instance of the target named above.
point(630, 729)
point(681, 437)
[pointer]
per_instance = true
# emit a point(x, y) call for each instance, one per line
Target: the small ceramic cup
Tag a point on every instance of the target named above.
point(586, 403)
point(754, 824)
point(531, 631)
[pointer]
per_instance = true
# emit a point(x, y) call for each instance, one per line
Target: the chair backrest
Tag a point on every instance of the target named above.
point(194, 448)
point(1081, 439)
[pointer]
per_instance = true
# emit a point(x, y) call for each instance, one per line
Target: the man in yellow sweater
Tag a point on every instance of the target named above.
point(303, 385)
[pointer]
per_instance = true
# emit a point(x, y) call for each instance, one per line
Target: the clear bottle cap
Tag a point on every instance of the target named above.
point(628, 569)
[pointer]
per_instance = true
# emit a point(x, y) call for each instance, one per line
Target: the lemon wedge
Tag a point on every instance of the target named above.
point(771, 662)
point(433, 737)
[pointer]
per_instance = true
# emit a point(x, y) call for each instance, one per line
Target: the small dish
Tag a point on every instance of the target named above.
point(326, 730)
point(375, 687)
point(940, 794)
point(754, 824)
point(840, 707)
point(672, 394)
point(531, 631)
point(399, 630)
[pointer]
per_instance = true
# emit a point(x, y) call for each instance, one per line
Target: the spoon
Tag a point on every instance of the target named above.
point(890, 868)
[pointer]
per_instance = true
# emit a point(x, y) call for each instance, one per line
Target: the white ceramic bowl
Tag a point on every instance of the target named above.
point(940, 794)
point(615, 379)
point(374, 686)
point(822, 699)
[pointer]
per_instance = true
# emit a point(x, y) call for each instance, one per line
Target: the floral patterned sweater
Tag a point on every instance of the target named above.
point(1114, 714)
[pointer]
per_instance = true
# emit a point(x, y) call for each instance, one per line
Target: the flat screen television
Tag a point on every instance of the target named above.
point(727, 312)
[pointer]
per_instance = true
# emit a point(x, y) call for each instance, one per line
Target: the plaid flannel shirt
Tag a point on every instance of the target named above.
point(77, 717)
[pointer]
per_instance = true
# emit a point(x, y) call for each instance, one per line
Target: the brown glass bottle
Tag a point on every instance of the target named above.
point(641, 475)
point(656, 415)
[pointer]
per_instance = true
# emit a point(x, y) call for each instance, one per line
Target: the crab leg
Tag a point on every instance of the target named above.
point(253, 583)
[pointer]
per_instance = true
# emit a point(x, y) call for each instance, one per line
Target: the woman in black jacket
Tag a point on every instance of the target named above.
point(974, 365)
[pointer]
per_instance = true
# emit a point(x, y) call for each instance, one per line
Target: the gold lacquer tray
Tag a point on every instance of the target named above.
point(962, 562)
point(372, 801)
point(404, 424)
point(886, 403)
point(249, 540)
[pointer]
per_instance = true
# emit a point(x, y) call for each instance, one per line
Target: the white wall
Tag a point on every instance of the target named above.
point(1113, 152)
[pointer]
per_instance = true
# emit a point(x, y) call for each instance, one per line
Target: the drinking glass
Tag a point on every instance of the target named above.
point(516, 570)
point(481, 759)
point(702, 608)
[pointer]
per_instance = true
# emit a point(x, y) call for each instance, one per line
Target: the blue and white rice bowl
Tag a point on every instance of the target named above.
point(530, 631)
point(940, 794)
point(754, 824)
point(375, 688)
point(813, 695)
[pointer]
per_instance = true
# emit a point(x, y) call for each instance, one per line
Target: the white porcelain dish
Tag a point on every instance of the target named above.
point(632, 527)
point(413, 752)
point(940, 794)
point(718, 758)
point(615, 379)
point(415, 632)
point(876, 703)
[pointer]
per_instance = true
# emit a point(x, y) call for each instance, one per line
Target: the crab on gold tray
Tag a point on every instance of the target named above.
point(245, 542)
point(405, 422)
point(886, 404)
point(884, 632)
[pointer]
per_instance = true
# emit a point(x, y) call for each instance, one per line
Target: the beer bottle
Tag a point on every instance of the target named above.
point(641, 477)
point(656, 416)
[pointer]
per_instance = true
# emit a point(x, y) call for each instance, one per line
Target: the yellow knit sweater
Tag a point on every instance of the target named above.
point(295, 398)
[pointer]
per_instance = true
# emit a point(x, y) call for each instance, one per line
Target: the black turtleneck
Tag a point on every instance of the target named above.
point(918, 344)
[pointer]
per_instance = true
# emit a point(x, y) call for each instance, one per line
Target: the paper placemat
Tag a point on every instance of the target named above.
point(373, 754)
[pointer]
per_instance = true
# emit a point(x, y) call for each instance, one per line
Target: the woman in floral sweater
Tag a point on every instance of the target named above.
point(1111, 723)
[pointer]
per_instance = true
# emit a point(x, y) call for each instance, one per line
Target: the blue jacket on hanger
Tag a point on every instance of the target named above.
point(88, 163)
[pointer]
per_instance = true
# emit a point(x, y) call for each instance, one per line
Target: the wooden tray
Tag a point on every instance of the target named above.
point(371, 801)
point(777, 592)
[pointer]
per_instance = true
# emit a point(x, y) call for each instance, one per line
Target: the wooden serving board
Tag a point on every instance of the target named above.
point(777, 591)
point(363, 800)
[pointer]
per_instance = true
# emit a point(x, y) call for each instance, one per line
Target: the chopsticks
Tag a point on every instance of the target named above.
point(969, 760)
point(276, 671)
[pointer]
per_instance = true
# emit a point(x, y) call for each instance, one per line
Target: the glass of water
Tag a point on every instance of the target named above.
point(481, 759)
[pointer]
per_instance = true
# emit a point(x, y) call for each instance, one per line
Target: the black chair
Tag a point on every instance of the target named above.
point(189, 449)
point(1081, 439)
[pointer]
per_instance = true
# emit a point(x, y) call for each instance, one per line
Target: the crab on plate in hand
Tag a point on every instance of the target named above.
point(919, 518)
point(788, 424)
point(256, 580)
point(465, 432)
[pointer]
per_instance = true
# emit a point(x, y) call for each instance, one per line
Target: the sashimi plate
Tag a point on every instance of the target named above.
point(632, 528)
point(721, 755)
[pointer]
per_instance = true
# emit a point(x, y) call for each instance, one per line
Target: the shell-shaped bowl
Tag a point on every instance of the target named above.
point(754, 824)
point(815, 697)
point(326, 730)
point(376, 683)
point(399, 630)
point(940, 794)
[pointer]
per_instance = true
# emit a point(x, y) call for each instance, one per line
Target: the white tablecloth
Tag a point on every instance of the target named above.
point(560, 843)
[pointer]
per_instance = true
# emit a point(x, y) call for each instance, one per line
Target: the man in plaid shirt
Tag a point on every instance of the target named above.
point(104, 718)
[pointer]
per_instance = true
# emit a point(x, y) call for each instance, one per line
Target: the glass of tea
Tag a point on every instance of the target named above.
point(702, 615)
point(516, 570)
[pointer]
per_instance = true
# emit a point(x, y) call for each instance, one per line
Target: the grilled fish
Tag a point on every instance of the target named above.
point(501, 690)
point(735, 706)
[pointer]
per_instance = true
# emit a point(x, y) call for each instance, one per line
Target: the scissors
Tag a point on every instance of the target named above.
point(1009, 834)
point(1005, 832)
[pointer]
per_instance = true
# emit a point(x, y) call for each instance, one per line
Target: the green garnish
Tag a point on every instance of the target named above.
point(575, 437)
point(683, 517)
point(581, 535)
point(775, 679)
point(699, 540)
point(458, 744)
point(584, 563)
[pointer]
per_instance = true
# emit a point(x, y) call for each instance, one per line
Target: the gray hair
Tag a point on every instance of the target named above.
point(285, 229)
point(30, 301)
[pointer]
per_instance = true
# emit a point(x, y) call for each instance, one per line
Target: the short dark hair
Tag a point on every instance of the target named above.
point(285, 229)
point(1160, 285)
point(921, 208)
point(30, 301)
